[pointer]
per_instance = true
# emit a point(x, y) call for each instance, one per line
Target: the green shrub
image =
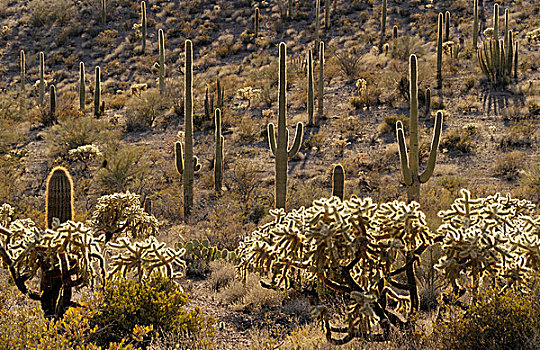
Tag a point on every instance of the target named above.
point(143, 110)
point(157, 302)
point(461, 140)
point(508, 165)
point(388, 125)
point(123, 169)
point(509, 320)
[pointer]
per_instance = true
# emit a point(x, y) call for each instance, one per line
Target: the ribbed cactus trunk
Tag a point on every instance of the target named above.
point(59, 196)
point(103, 12)
point(188, 130)
point(52, 104)
point(82, 87)
point(394, 41)
point(496, 22)
point(338, 182)
point(516, 60)
point(161, 39)
point(326, 14)
point(439, 50)
point(310, 103)
point(97, 92)
point(410, 163)
point(320, 93)
point(446, 26)
point(475, 25)
point(383, 25)
point(256, 22)
point(218, 160)
point(41, 78)
point(143, 26)
point(279, 147)
point(22, 68)
point(317, 25)
point(428, 102)
point(290, 11)
point(506, 29)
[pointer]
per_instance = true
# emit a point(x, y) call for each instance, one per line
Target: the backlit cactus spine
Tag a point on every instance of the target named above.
point(338, 182)
point(82, 87)
point(320, 93)
point(439, 50)
point(41, 78)
point(161, 39)
point(410, 163)
point(97, 92)
point(22, 67)
point(58, 196)
point(475, 25)
point(383, 25)
point(218, 160)
point(310, 103)
point(143, 25)
point(279, 147)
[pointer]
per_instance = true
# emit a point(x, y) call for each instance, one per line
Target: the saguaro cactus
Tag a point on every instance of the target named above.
point(317, 25)
point(97, 92)
point(58, 196)
point(143, 25)
point(41, 78)
point(189, 161)
point(320, 93)
point(52, 104)
point(327, 14)
point(280, 147)
point(496, 22)
point(475, 25)
point(439, 50)
point(256, 22)
point(82, 87)
point(383, 25)
point(428, 102)
point(218, 160)
point(161, 39)
point(103, 12)
point(338, 182)
point(516, 60)
point(310, 103)
point(22, 67)
point(410, 164)
point(394, 41)
point(220, 95)
point(446, 26)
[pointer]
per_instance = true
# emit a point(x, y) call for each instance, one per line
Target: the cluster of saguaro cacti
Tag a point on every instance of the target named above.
point(161, 41)
point(498, 58)
point(143, 26)
point(338, 182)
point(218, 159)
point(350, 247)
point(279, 147)
point(410, 163)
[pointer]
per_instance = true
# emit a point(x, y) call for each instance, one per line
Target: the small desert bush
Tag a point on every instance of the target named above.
point(122, 169)
point(460, 140)
point(156, 302)
point(249, 295)
point(530, 180)
point(388, 125)
point(508, 165)
point(497, 320)
point(143, 110)
point(222, 274)
point(50, 11)
point(519, 135)
point(73, 133)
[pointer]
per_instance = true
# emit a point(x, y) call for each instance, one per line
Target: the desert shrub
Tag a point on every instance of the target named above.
point(73, 133)
point(12, 105)
point(518, 135)
point(123, 169)
point(508, 320)
point(349, 63)
point(508, 165)
point(143, 110)
point(9, 138)
point(155, 302)
point(461, 140)
point(49, 11)
point(388, 125)
point(530, 181)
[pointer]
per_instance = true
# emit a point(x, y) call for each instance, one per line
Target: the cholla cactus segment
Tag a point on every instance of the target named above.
point(6, 214)
point(350, 246)
point(120, 214)
point(495, 236)
point(145, 257)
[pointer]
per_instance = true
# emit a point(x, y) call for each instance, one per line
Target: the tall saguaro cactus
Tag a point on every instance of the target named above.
point(320, 83)
point(338, 182)
point(58, 196)
point(410, 163)
point(161, 39)
point(97, 92)
point(317, 25)
point(103, 12)
point(279, 147)
point(189, 166)
point(218, 160)
point(310, 103)
point(383, 25)
point(327, 14)
point(143, 25)
point(41, 78)
point(475, 25)
point(439, 50)
point(394, 41)
point(446, 26)
point(82, 87)
point(256, 22)
point(22, 68)
point(52, 104)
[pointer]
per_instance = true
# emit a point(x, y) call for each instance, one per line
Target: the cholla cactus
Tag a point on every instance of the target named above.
point(121, 214)
point(348, 246)
point(494, 237)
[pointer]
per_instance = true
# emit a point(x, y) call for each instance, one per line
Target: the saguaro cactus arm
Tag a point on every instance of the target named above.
point(403, 157)
point(179, 157)
point(297, 140)
point(424, 177)
point(272, 138)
